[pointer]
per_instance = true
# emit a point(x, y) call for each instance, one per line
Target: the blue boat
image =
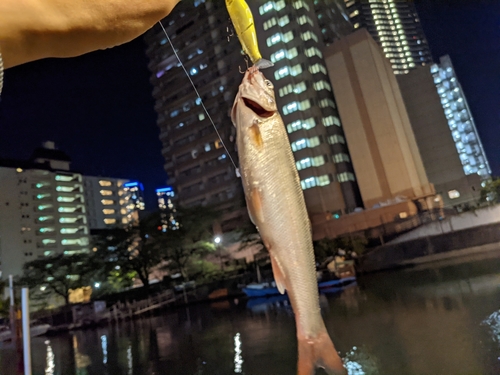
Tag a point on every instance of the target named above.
point(269, 289)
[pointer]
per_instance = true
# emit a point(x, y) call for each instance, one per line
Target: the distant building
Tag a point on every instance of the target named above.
point(436, 138)
point(197, 165)
point(47, 209)
point(135, 193)
point(395, 26)
point(460, 120)
point(43, 209)
point(109, 203)
point(167, 208)
point(384, 152)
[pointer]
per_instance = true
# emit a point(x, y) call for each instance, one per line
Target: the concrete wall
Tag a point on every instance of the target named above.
point(394, 255)
point(465, 220)
point(383, 149)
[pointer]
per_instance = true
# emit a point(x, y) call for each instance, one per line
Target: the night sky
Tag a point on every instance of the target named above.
point(98, 108)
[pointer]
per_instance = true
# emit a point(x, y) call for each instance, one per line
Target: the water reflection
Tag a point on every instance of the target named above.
point(439, 320)
point(50, 364)
point(104, 346)
point(238, 359)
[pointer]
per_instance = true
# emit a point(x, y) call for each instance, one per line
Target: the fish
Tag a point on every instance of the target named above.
point(277, 208)
point(242, 19)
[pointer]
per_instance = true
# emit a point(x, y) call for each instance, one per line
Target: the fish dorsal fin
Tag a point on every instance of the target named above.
point(279, 276)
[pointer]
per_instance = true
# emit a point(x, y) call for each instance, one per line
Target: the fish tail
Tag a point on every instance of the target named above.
point(263, 63)
point(319, 352)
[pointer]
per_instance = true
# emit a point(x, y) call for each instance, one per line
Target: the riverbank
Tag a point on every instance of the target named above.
point(438, 241)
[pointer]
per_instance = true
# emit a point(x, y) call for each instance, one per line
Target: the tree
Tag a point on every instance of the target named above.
point(57, 274)
point(193, 239)
point(127, 252)
point(490, 193)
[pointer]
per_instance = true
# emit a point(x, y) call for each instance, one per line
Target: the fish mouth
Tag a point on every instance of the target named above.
point(257, 108)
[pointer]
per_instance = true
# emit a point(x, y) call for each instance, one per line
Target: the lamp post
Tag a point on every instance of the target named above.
point(217, 241)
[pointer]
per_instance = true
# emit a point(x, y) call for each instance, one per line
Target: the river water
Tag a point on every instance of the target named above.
point(438, 319)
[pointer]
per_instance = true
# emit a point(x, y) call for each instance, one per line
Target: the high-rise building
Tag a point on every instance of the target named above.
point(293, 38)
point(43, 209)
point(384, 152)
point(396, 27)
point(435, 138)
point(460, 120)
point(198, 166)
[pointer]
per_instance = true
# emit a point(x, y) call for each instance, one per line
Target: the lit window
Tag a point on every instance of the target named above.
point(278, 55)
point(269, 23)
point(106, 192)
point(339, 158)
point(284, 21)
point(310, 162)
point(453, 194)
point(298, 125)
point(48, 241)
point(67, 220)
point(313, 51)
point(316, 68)
point(43, 207)
point(308, 35)
point(354, 14)
point(63, 178)
point(305, 143)
point(65, 188)
point(69, 230)
point(266, 7)
point(109, 221)
point(334, 139)
point(272, 40)
point(67, 209)
point(278, 5)
point(107, 202)
point(345, 176)
point(46, 230)
point(308, 183)
point(201, 116)
point(108, 211)
point(322, 85)
point(300, 4)
point(327, 102)
point(66, 199)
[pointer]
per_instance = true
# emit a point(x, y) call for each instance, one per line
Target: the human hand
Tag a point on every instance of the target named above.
point(36, 29)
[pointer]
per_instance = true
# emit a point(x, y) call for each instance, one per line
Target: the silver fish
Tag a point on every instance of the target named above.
point(276, 206)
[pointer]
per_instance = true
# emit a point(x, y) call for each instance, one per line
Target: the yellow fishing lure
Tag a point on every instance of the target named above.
point(242, 19)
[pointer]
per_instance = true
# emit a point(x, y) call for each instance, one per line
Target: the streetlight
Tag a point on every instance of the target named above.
point(217, 241)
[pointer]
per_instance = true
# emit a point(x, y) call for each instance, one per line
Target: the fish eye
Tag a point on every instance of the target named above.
point(269, 83)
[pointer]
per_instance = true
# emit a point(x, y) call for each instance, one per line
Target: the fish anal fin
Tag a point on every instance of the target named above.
point(319, 352)
point(279, 276)
point(254, 204)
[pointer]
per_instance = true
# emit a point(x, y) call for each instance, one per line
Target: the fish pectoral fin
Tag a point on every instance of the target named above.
point(279, 276)
point(255, 135)
point(319, 352)
point(254, 204)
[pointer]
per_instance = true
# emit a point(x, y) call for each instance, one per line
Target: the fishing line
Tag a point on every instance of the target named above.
point(199, 97)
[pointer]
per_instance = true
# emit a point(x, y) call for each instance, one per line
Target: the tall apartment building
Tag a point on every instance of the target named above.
point(110, 202)
point(436, 138)
point(383, 147)
point(197, 165)
point(460, 120)
point(395, 26)
point(43, 209)
point(292, 37)
point(48, 209)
